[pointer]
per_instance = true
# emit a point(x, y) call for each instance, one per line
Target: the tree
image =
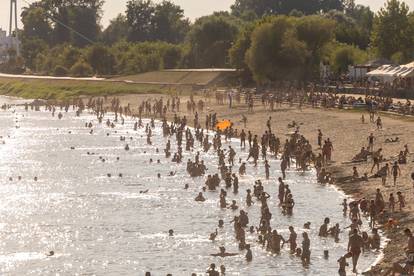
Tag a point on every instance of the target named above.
point(288, 48)
point(139, 17)
point(85, 20)
point(238, 51)
point(344, 55)
point(393, 30)
point(116, 30)
point(81, 69)
point(276, 53)
point(101, 59)
point(210, 39)
point(72, 17)
point(35, 24)
point(278, 7)
point(30, 49)
point(169, 23)
point(257, 7)
point(315, 32)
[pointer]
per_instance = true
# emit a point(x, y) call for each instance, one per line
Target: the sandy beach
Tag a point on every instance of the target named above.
point(348, 134)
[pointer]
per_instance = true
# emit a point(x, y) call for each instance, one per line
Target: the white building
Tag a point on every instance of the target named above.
point(6, 43)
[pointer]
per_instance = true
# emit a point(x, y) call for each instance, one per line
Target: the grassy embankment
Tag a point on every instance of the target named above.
point(69, 89)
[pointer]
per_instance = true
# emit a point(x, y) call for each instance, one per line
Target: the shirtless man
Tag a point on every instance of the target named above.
point(354, 246)
point(212, 271)
point(371, 139)
point(395, 171)
point(281, 194)
point(323, 230)
point(292, 240)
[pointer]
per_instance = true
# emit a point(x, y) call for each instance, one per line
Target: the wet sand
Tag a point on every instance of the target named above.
point(348, 134)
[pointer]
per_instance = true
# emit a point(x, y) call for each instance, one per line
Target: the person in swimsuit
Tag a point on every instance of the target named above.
point(355, 244)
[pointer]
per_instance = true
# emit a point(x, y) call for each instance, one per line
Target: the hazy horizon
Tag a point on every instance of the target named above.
point(192, 9)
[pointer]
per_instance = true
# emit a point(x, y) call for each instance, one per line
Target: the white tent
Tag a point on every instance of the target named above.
point(388, 73)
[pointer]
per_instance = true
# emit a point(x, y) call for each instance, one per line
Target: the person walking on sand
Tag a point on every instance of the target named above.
point(379, 123)
point(371, 140)
point(320, 137)
point(395, 171)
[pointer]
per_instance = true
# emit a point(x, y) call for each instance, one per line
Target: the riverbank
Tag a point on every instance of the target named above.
point(348, 134)
point(61, 89)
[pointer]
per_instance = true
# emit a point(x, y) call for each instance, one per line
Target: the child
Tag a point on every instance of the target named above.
point(401, 200)
point(345, 205)
point(343, 264)
point(391, 203)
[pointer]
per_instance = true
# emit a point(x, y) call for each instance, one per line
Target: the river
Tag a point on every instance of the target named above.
point(100, 225)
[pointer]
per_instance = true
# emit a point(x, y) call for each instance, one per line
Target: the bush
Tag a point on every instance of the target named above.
point(81, 69)
point(60, 71)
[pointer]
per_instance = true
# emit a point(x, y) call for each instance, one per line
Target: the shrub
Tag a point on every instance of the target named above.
point(60, 71)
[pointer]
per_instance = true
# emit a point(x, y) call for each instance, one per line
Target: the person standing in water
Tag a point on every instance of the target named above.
point(305, 249)
point(355, 244)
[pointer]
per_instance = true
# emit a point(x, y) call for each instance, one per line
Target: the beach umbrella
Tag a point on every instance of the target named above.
point(223, 125)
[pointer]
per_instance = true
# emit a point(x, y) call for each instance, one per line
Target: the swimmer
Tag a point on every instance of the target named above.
point(200, 197)
point(213, 235)
point(323, 230)
point(170, 232)
point(223, 253)
point(343, 264)
point(249, 255)
point(186, 186)
point(220, 223)
point(50, 253)
point(211, 271)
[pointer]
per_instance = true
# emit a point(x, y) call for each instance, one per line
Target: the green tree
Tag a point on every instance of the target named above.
point(344, 55)
point(210, 39)
point(169, 23)
point(278, 7)
point(238, 51)
point(101, 59)
point(276, 53)
point(74, 17)
point(117, 30)
point(35, 23)
point(393, 30)
point(315, 32)
point(139, 17)
point(81, 69)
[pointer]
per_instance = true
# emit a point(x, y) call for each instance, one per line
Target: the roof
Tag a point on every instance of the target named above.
point(379, 62)
point(393, 71)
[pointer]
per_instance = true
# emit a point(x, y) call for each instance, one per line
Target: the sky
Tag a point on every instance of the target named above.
point(192, 8)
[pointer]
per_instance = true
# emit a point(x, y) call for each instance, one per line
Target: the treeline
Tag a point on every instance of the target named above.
point(269, 40)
